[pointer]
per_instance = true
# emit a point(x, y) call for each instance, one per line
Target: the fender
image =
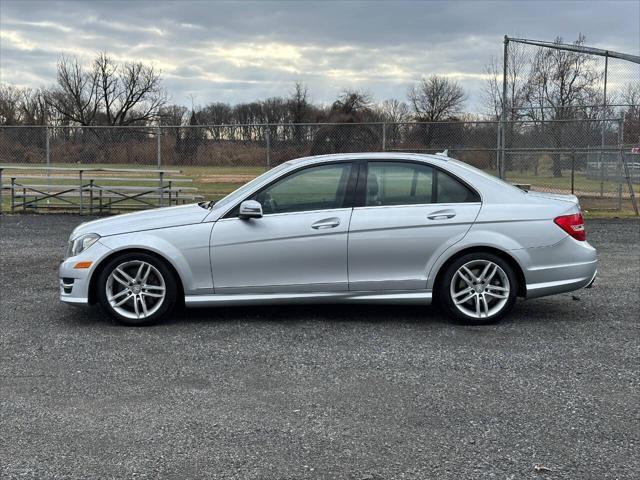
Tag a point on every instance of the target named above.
point(480, 238)
point(176, 246)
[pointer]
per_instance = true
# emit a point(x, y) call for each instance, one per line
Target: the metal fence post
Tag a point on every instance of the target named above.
point(498, 136)
point(268, 139)
point(384, 136)
point(13, 193)
point(503, 118)
point(620, 159)
point(47, 140)
point(80, 190)
point(48, 153)
point(158, 147)
point(573, 171)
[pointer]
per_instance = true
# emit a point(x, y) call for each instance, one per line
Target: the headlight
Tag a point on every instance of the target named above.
point(80, 244)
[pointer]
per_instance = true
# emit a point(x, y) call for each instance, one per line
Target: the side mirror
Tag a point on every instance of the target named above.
point(250, 209)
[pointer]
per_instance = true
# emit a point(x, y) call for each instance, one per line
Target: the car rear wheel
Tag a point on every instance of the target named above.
point(137, 289)
point(478, 288)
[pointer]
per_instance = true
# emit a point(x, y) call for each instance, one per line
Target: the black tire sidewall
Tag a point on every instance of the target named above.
point(444, 295)
point(169, 280)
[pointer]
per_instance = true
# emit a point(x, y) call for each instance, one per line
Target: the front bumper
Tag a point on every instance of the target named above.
point(74, 282)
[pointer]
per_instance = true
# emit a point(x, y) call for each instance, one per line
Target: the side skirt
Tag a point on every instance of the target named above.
point(399, 297)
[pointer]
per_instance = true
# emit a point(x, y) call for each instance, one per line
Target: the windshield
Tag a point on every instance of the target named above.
point(248, 186)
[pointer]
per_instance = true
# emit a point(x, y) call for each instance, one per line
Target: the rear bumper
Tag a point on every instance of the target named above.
point(564, 267)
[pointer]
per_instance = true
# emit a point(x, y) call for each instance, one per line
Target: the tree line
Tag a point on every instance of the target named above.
point(546, 85)
point(543, 85)
point(110, 93)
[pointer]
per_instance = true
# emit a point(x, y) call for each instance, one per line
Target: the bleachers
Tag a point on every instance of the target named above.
point(91, 190)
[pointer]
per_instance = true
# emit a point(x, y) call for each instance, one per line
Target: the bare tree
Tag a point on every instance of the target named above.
point(394, 111)
point(106, 92)
point(298, 103)
point(436, 98)
point(172, 115)
point(560, 84)
point(131, 92)
point(631, 98)
point(76, 97)
point(34, 108)
point(218, 113)
point(351, 106)
point(299, 109)
point(9, 104)
point(516, 82)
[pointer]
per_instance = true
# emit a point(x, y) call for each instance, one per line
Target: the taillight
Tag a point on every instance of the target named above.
point(573, 225)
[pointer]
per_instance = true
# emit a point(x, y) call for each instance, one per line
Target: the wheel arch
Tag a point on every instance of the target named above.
point(93, 282)
point(522, 285)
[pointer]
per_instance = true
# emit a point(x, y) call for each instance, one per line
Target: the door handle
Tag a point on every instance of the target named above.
point(442, 215)
point(326, 223)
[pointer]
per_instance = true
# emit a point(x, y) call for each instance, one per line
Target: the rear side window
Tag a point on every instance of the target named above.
point(451, 190)
point(394, 183)
point(400, 183)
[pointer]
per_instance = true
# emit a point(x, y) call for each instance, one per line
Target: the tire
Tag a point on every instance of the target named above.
point(137, 289)
point(469, 298)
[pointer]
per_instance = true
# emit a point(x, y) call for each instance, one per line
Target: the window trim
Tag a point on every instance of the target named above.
point(361, 187)
point(347, 202)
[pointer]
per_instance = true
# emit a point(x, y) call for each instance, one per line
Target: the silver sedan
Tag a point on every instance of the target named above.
point(370, 227)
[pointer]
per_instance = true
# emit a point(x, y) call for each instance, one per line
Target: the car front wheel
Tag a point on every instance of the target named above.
point(478, 288)
point(137, 289)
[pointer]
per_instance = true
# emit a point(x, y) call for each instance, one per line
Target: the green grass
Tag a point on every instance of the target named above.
point(215, 182)
point(581, 183)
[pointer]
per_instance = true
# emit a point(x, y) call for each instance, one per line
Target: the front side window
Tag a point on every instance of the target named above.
point(315, 188)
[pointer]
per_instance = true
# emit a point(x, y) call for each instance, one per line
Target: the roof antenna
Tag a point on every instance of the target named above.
point(444, 154)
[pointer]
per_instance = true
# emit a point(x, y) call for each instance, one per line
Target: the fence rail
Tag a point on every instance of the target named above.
point(589, 157)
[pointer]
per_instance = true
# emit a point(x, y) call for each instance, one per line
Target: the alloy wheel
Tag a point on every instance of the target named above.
point(135, 289)
point(480, 289)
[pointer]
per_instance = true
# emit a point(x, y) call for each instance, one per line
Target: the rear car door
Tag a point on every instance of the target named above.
point(300, 242)
point(406, 214)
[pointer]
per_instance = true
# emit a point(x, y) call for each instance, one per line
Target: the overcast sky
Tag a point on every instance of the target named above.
point(242, 51)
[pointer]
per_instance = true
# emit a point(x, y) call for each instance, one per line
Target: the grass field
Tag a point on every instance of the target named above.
point(213, 183)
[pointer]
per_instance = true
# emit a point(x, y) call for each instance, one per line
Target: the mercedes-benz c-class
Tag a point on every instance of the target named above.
point(390, 228)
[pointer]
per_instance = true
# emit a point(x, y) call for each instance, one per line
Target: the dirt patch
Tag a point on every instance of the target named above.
point(226, 178)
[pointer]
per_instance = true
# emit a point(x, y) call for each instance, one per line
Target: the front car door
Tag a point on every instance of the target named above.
point(300, 243)
point(406, 214)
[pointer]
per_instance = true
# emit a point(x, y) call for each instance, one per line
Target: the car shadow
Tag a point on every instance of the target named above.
point(309, 312)
point(538, 311)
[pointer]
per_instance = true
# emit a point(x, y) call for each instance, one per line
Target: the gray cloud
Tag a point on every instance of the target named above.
point(238, 51)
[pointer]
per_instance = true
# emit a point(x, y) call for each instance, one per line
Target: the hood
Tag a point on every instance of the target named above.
point(144, 220)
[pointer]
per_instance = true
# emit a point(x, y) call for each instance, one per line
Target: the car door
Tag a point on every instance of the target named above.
point(300, 242)
point(406, 214)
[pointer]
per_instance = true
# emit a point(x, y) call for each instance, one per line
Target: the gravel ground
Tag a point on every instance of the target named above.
point(317, 392)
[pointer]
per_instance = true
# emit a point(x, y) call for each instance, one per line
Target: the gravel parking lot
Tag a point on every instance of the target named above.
point(317, 392)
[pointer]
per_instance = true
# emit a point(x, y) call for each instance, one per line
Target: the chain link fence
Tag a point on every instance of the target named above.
point(570, 117)
point(561, 156)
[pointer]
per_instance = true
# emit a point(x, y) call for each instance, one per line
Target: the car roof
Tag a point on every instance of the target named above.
point(421, 157)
